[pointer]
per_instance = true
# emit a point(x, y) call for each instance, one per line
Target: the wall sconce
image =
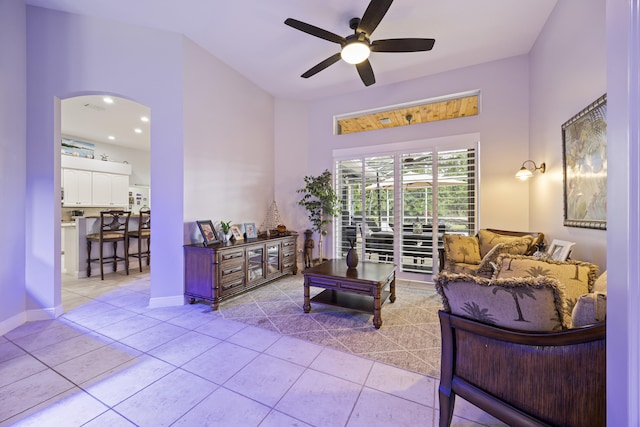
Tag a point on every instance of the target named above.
point(526, 172)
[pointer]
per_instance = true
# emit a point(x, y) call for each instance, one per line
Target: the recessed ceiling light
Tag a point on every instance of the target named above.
point(107, 100)
point(144, 119)
point(137, 130)
point(111, 137)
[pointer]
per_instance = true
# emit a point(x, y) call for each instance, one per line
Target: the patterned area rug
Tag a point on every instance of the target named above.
point(409, 337)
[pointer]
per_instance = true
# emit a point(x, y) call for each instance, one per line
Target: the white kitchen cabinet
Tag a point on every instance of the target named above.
point(120, 190)
point(77, 187)
point(110, 189)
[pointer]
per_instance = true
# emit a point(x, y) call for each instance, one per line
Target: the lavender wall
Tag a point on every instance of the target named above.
point(199, 108)
point(291, 162)
point(70, 55)
point(503, 126)
point(228, 144)
point(568, 72)
point(13, 129)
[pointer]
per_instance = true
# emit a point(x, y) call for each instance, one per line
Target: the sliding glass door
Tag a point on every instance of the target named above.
point(396, 207)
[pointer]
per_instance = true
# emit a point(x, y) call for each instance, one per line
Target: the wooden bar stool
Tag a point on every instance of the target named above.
point(114, 228)
point(142, 233)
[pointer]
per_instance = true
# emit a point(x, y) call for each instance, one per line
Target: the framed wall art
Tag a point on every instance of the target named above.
point(208, 231)
point(584, 152)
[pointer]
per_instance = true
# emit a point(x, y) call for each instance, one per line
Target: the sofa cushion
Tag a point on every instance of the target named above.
point(488, 265)
point(524, 303)
point(600, 284)
point(591, 308)
point(577, 277)
point(461, 249)
point(460, 267)
point(488, 239)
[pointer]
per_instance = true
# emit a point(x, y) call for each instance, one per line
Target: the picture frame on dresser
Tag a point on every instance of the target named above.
point(559, 250)
point(250, 230)
point(208, 231)
point(236, 232)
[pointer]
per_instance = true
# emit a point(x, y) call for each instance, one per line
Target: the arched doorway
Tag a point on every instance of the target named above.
point(102, 137)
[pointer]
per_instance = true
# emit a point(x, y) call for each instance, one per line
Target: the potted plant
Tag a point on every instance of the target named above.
point(225, 226)
point(320, 200)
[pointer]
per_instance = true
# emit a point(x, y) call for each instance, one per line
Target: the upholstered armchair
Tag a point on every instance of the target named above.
point(528, 345)
point(477, 254)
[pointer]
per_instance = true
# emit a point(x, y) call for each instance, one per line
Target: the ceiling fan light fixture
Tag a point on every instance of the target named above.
point(355, 52)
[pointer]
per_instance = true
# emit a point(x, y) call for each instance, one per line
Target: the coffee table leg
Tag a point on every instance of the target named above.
point(377, 315)
point(307, 303)
point(392, 289)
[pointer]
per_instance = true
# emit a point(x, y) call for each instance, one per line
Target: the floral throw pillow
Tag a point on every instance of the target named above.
point(523, 303)
point(488, 239)
point(461, 249)
point(577, 277)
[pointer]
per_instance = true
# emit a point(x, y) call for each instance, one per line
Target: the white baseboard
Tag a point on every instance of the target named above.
point(44, 313)
point(166, 301)
point(30, 316)
point(12, 322)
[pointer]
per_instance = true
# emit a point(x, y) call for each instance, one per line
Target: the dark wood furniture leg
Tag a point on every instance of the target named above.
point(377, 315)
point(447, 397)
point(392, 289)
point(115, 256)
point(307, 302)
point(101, 252)
point(88, 258)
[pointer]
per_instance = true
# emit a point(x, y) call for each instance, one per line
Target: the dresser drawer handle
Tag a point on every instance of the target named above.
point(287, 265)
point(287, 243)
point(232, 284)
point(232, 255)
point(287, 254)
point(231, 270)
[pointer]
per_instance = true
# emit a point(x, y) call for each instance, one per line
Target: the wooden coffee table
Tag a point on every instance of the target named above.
point(361, 288)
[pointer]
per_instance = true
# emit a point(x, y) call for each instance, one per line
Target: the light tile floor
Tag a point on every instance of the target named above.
point(110, 360)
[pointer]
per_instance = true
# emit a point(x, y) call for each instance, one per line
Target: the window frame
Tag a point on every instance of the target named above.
point(435, 146)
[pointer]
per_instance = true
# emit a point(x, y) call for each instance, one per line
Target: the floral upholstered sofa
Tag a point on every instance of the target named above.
point(527, 345)
point(476, 254)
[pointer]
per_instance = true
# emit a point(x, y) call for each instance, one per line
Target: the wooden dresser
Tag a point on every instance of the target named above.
point(226, 269)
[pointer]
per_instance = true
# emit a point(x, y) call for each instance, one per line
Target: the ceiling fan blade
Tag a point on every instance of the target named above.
point(321, 66)
point(366, 72)
point(314, 31)
point(402, 45)
point(373, 15)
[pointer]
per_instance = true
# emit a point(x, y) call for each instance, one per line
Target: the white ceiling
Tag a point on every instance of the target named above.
point(89, 118)
point(251, 37)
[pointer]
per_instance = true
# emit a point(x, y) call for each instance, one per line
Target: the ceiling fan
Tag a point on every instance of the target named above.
point(355, 48)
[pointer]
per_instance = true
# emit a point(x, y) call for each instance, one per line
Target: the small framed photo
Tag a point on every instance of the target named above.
point(250, 230)
point(236, 232)
point(209, 233)
point(559, 250)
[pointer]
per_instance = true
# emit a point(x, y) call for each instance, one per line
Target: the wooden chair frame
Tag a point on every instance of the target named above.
point(114, 228)
point(143, 232)
point(524, 378)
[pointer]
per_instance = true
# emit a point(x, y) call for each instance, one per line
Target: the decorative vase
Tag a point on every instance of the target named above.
point(352, 255)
